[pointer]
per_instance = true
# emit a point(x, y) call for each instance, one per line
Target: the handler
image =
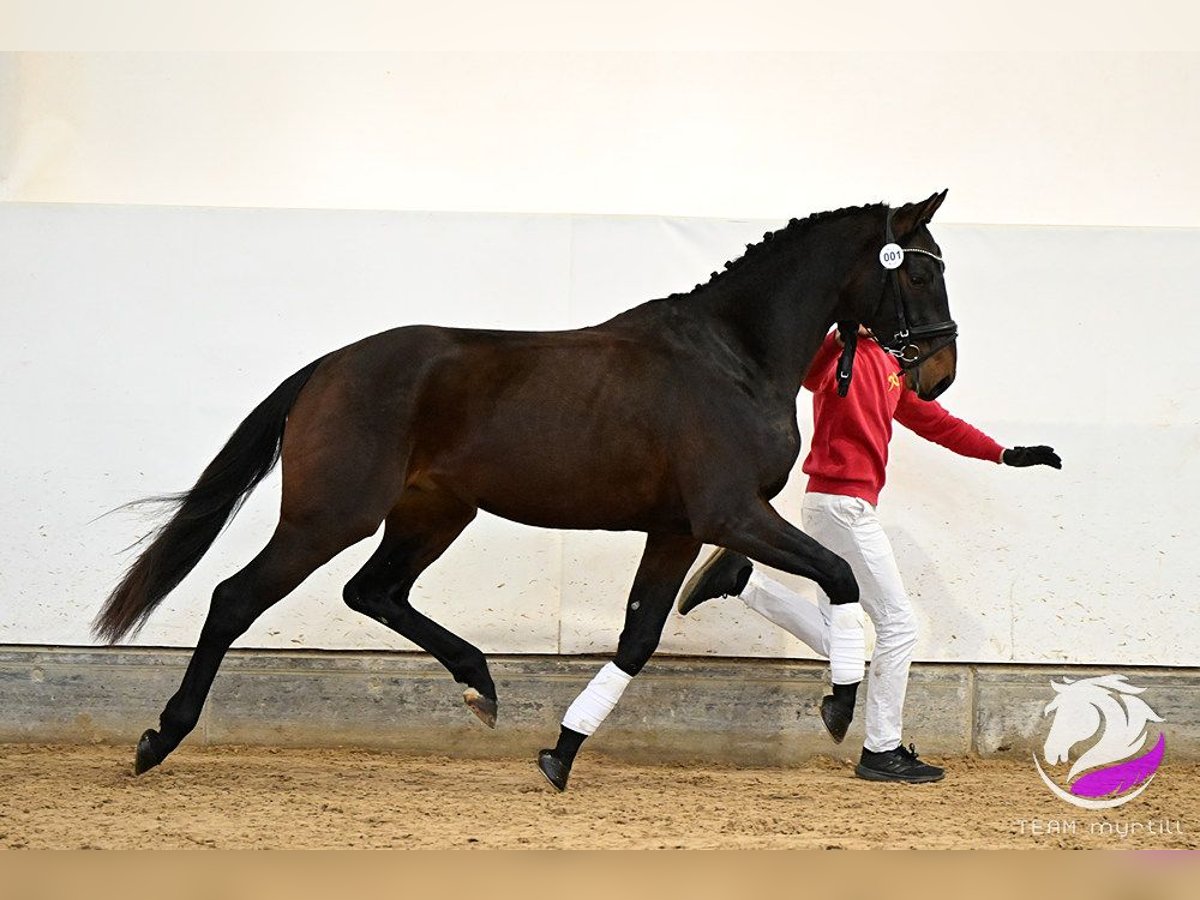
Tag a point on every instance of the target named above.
point(846, 469)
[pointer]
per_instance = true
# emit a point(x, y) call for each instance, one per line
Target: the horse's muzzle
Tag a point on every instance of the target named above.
point(937, 390)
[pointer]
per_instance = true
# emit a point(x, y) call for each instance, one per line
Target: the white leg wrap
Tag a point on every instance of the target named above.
point(597, 700)
point(847, 643)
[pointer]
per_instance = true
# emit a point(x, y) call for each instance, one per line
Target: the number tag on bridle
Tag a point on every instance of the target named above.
point(892, 256)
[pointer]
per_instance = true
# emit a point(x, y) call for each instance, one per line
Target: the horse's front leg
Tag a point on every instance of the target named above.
point(760, 533)
point(665, 562)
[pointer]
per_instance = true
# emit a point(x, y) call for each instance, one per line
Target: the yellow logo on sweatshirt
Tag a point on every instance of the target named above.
point(893, 382)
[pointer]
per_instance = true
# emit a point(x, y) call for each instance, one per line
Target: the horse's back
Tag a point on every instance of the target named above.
point(577, 429)
point(569, 429)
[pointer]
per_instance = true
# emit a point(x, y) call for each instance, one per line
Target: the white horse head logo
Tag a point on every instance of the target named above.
point(1108, 704)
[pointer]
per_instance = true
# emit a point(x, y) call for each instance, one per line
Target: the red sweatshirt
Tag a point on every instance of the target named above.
point(850, 434)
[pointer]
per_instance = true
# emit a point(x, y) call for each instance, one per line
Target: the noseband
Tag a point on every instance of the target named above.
point(902, 344)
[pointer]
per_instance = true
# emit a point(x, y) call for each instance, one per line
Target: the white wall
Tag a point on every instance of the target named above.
point(134, 339)
point(1020, 138)
point(576, 25)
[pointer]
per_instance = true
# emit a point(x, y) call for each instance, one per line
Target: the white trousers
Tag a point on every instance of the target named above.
point(850, 528)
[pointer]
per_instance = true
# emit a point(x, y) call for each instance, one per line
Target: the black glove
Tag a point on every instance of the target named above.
point(1031, 456)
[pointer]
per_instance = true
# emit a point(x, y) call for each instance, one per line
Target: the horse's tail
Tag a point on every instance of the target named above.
point(250, 453)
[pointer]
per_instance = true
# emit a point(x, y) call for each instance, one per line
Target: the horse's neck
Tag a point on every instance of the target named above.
point(779, 312)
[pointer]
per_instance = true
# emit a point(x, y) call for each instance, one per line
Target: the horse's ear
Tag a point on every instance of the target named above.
point(912, 216)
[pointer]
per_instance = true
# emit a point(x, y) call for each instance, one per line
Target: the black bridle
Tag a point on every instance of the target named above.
point(902, 344)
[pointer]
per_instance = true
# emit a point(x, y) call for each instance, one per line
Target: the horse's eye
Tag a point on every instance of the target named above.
point(918, 280)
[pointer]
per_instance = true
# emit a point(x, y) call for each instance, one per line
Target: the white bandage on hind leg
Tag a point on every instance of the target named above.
point(597, 700)
point(847, 643)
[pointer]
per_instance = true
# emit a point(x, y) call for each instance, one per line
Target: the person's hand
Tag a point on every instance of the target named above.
point(1031, 456)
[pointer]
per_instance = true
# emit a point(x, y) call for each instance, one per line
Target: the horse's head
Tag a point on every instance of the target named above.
point(900, 294)
point(1081, 707)
point(1076, 719)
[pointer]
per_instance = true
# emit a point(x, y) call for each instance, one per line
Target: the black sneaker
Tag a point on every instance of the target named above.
point(724, 573)
point(900, 764)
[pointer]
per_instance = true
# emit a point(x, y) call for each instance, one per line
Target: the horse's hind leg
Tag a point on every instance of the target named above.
point(417, 532)
point(664, 564)
point(291, 555)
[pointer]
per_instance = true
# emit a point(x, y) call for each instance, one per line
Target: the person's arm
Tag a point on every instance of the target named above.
point(930, 420)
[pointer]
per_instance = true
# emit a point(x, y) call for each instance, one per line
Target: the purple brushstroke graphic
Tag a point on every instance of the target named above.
point(1121, 777)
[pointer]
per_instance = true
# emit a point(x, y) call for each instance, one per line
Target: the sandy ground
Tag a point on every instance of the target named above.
point(80, 797)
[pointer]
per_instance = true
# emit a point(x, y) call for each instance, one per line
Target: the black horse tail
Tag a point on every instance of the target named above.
point(201, 513)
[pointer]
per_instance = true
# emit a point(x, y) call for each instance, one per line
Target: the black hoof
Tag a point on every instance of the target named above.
point(836, 717)
point(484, 707)
point(555, 770)
point(147, 756)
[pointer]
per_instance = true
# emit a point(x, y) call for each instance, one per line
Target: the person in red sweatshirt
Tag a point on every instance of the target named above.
point(846, 468)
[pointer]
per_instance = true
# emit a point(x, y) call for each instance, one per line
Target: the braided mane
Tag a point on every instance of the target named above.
point(774, 242)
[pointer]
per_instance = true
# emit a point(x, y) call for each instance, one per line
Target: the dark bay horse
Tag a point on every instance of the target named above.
point(676, 418)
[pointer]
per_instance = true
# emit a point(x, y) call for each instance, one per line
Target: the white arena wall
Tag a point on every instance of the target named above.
point(134, 339)
point(180, 231)
point(1052, 138)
